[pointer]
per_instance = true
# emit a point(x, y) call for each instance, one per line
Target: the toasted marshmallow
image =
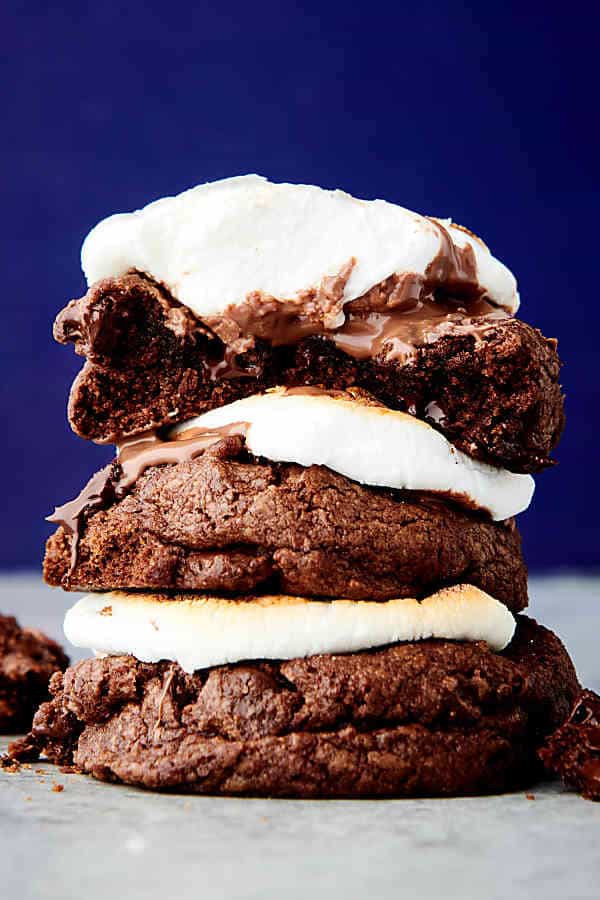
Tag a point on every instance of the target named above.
point(197, 631)
point(217, 243)
point(369, 444)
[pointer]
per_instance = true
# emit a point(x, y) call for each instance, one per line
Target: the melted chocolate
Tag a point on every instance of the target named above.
point(282, 322)
point(142, 451)
point(98, 493)
point(398, 333)
point(452, 266)
point(135, 456)
point(394, 318)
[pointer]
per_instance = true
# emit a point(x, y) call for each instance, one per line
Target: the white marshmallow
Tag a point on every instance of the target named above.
point(369, 444)
point(200, 631)
point(214, 244)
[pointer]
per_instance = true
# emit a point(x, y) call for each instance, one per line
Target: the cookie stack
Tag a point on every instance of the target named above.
point(305, 576)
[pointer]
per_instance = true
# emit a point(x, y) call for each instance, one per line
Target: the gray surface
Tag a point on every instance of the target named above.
point(96, 841)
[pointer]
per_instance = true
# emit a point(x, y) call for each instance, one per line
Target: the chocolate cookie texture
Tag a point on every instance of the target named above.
point(490, 386)
point(228, 522)
point(27, 660)
point(573, 751)
point(412, 719)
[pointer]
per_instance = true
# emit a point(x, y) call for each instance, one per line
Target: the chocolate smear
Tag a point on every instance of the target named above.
point(135, 455)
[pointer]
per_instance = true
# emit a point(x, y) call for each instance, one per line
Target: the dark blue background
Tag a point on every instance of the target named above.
point(485, 112)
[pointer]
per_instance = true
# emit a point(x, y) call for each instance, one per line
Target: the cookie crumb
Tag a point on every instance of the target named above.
point(28, 661)
point(530, 796)
point(58, 788)
point(573, 751)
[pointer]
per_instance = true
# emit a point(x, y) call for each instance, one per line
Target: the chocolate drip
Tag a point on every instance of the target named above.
point(99, 492)
point(135, 455)
point(453, 267)
point(142, 451)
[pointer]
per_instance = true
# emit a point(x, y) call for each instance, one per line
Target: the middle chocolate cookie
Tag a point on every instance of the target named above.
point(227, 521)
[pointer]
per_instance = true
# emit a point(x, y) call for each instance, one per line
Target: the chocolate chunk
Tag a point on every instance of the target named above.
point(436, 717)
point(27, 660)
point(150, 363)
point(227, 522)
point(573, 751)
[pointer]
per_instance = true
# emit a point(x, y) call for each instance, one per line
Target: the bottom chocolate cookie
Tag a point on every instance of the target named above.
point(425, 718)
point(27, 660)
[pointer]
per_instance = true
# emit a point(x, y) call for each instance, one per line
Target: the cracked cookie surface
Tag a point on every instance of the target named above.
point(229, 522)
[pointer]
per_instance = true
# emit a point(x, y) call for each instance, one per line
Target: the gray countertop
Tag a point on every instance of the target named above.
point(97, 840)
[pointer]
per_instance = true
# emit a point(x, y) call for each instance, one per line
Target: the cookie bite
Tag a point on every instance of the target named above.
point(235, 287)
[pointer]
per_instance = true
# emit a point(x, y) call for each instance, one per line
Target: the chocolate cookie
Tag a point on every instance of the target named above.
point(492, 389)
point(27, 660)
point(228, 522)
point(573, 751)
point(430, 718)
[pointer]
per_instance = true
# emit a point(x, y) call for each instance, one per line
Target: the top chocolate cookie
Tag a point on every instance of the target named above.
point(238, 286)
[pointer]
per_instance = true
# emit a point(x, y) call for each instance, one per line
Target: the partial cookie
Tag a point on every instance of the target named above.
point(27, 660)
point(430, 718)
point(573, 751)
point(492, 389)
point(227, 522)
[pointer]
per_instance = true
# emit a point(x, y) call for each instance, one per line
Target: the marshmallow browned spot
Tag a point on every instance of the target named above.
point(198, 631)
